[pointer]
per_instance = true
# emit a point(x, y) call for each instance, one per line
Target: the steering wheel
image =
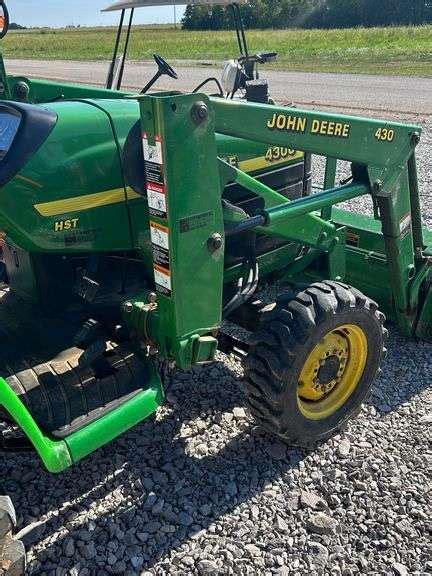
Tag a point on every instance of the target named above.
point(164, 67)
point(4, 19)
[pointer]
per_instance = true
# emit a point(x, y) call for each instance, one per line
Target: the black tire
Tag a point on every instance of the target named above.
point(12, 553)
point(289, 332)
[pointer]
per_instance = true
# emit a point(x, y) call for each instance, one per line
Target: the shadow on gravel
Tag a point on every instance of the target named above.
point(199, 459)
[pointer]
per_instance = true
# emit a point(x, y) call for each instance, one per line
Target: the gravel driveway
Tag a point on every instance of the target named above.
point(202, 491)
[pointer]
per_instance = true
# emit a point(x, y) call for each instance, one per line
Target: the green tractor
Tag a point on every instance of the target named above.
point(134, 225)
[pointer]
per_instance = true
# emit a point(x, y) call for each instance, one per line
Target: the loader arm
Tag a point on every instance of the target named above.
point(383, 165)
point(382, 154)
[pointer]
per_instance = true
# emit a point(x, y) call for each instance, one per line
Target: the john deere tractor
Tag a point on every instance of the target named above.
point(134, 225)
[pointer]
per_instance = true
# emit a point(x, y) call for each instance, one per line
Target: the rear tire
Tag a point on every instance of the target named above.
point(313, 361)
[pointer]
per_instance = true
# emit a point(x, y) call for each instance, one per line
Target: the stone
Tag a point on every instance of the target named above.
point(185, 519)
point(400, 569)
point(207, 567)
point(7, 516)
point(205, 509)
point(231, 489)
point(322, 524)
point(319, 554)
point(150, 501)
point(344, 448)
point(89, 551)
point(118, 568)
point(277, 451)
point(311, 500)
point(137, 561)
point(239, 413)
point(69, 547)
point(427, 419)
point(253, 550)
point(158, 507)
point(12, 558)
point(283, 571)
point(280, 524)
point(31, 533)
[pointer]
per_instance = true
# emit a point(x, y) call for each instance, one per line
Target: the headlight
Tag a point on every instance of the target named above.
point(229, 76)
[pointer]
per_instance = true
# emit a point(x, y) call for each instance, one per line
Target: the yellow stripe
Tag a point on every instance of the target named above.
point(99, 199)
point(87, 202)
point(262, 162)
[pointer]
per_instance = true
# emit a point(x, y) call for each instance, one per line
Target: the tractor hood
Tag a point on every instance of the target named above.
point(61, 185)
point(23, 129)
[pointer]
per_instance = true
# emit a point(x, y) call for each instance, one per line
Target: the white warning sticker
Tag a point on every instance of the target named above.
point(162, 280)
point(157, 200)
point(159, 235)
point(152, 153)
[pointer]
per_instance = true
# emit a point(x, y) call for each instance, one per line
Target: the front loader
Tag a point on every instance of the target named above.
point(110, 287)
point(135, 225)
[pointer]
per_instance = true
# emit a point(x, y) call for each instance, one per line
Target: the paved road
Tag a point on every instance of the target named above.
point(387, 93)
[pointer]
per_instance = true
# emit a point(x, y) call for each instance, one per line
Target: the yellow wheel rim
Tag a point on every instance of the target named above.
point(332, 372)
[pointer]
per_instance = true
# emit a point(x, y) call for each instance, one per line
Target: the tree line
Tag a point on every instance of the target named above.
point(311, 14)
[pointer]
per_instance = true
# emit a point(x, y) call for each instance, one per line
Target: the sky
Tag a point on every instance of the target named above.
point(57, 13)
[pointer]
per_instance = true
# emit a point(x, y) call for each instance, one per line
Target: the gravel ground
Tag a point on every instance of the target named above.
point(201, 490)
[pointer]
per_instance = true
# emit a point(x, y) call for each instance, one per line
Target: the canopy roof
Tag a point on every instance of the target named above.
point(125, 4)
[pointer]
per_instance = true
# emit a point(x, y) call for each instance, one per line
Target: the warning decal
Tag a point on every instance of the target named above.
point(162, 279)
point(161, 257)
point(159, 235)
point(156, 198)
point(154, 175)
point(152, 153)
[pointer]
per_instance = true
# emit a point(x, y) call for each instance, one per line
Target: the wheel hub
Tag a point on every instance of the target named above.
point(332, 370)
point(329, 371)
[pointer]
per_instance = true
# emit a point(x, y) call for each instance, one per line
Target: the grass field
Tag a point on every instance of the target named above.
point(398, 50)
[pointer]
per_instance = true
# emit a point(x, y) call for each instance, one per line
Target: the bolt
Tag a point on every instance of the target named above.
point(415, 138)
point(199, 112)
point(377, 186)
point(127, 307)
point(215, 242)
point(21, 91)
point(152, 297)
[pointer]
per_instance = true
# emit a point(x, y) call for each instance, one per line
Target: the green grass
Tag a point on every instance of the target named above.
point(396, 50)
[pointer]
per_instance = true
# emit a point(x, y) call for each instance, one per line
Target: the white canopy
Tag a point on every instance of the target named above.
point(125, 4)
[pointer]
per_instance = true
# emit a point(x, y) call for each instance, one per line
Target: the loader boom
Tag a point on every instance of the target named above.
point(382, 156)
